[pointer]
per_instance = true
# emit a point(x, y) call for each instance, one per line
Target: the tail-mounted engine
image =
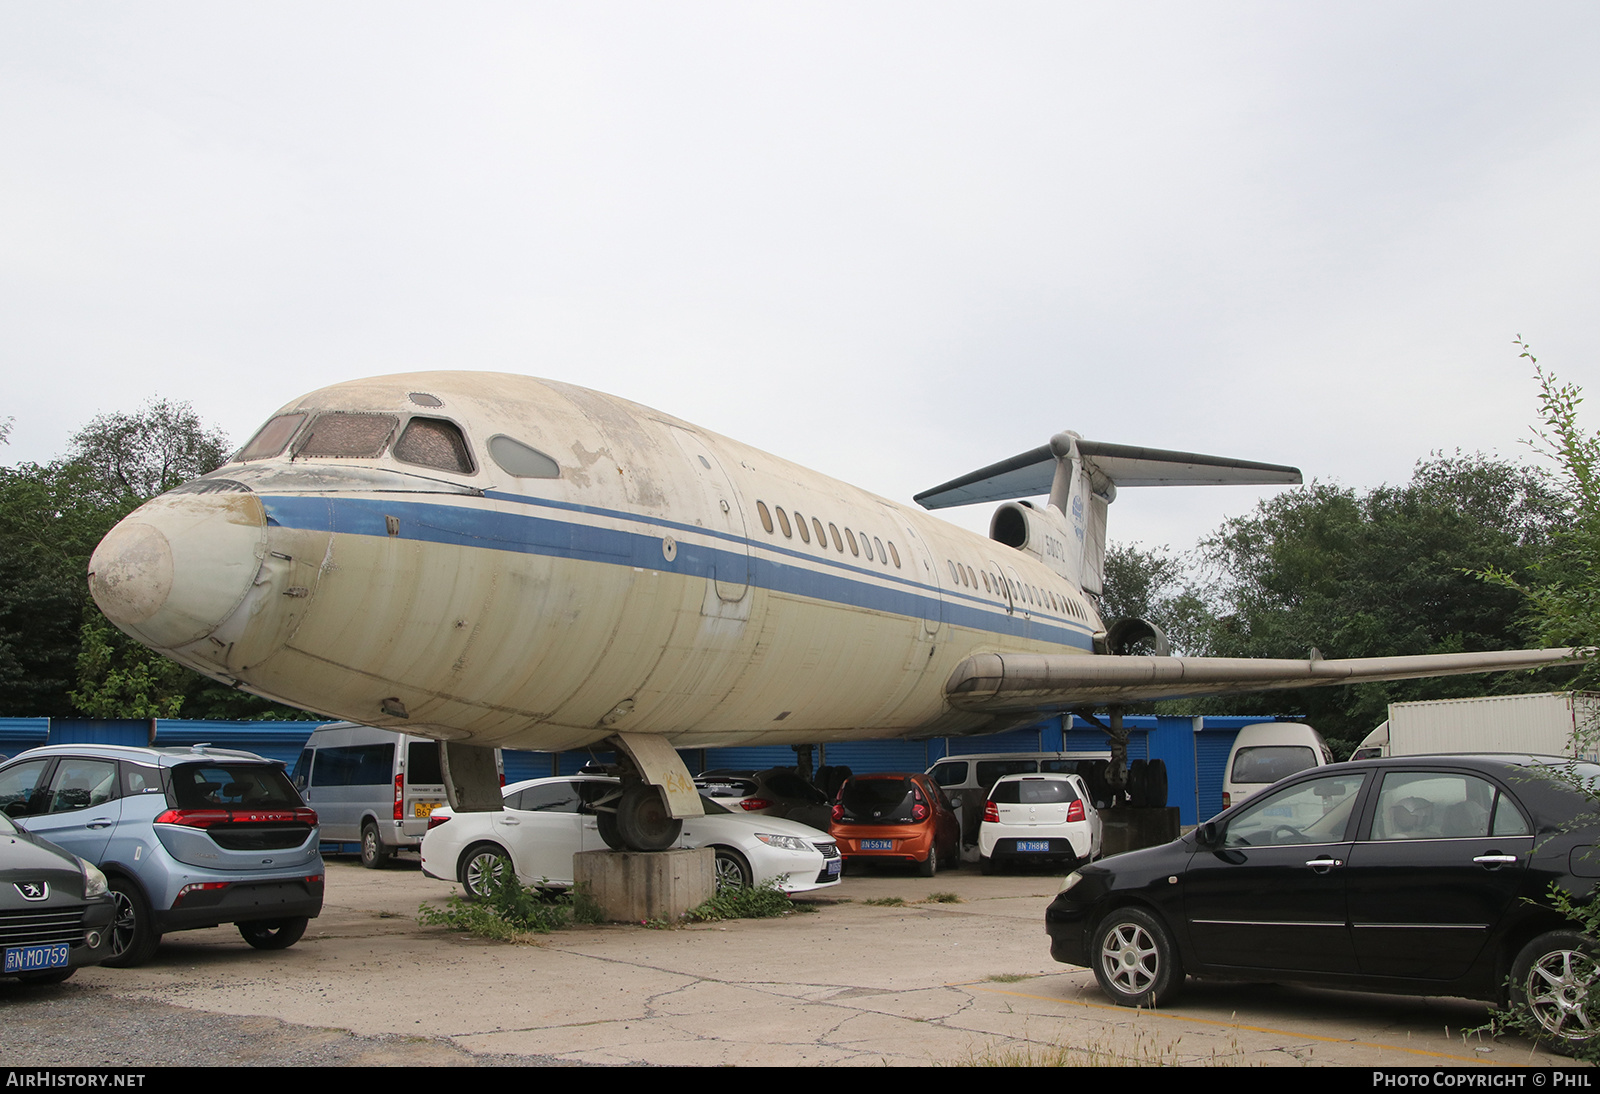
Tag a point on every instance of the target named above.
point(1020, 525)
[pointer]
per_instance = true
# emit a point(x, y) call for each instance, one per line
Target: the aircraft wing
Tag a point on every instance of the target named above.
point(1030, 474)
point(1013, 683)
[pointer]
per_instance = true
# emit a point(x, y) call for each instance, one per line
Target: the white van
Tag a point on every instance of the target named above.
point(1265, 752)
point(371, 786)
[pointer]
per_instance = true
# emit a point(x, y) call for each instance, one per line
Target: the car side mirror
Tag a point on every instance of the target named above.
point(1209, 836)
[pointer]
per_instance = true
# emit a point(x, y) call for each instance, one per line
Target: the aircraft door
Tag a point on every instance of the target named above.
point(1004, 590)
point(925, 571)
point(717, 505)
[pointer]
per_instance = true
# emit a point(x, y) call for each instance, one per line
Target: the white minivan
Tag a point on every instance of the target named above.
point(1265, 752)
point(371, 786)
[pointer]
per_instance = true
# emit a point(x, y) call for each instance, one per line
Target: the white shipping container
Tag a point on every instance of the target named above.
point(1543, 724)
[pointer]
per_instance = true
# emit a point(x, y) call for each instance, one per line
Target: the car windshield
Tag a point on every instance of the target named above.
point(216, 784)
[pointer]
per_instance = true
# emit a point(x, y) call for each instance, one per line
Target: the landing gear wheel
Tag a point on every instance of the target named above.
point(373, 853)
point(482, 866)
point(1135, 960)
point(643, 821)
point(1155, 784)
point(606, 821)
point(1553, 977)
point(274, 934)
point(133, 931)
point(929, 867)
point(733, 872)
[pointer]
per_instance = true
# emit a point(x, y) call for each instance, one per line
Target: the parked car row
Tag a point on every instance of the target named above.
point(167, 840)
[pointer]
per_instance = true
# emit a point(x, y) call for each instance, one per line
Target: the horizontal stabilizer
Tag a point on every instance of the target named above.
point(1013, 683)
point(1031, 473)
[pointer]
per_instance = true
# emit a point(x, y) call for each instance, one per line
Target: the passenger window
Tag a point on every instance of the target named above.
point(348, 435)
point(878, 543)
point(866, 546)
point(355, 765)
point(1318, 811)
point(521, 461)
point(953, 773)
point(550, 798)
point(433, 442)
point(271, 438)
point(783, 522)
point(822, 537)
point(766, 516)
point(80, 783)
point(139, 779)
point(850, 538)
point(20, 793)
point(800, 526)
point(1434, 805)
point(896, 553)
point(838, 544)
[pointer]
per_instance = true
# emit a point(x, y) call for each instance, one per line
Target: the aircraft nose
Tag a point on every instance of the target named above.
point(178, 566)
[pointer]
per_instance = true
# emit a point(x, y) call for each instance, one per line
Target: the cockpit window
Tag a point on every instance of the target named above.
point(516, 458)
point(271, 438)
point(432, 442)
point(357, 436)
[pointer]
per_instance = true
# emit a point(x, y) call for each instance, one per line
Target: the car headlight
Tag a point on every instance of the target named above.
point(1069, 881)
point(94, 882)
point(783, 843)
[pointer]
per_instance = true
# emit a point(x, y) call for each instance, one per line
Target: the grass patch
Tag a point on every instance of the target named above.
point(1144, 1050)
point(754, 902)
point(886, 902)
point(510, 911)
point(1008, 977)
point(943, 898)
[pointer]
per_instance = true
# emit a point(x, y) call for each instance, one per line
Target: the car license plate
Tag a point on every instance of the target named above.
point(1033, 845)
point(877, 845)
point(424, 809)
point(32, 958)
point(833, 867)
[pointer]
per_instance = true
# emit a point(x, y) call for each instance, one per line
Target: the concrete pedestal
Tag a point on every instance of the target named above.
point(1130, 829)
point(633, 886)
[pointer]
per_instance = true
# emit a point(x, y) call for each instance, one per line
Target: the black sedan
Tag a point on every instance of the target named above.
point(55, 909)
point(1422, 875)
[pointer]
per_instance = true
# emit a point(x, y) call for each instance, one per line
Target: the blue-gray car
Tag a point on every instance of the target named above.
point(186, 837)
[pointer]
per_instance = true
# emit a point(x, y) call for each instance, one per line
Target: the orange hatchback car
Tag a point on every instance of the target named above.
point(896, 818)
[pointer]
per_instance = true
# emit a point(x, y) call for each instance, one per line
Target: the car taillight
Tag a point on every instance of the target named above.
point(919, 812)
point(198, 887)
point(1075, 811)
point(752, 804)
point(991, 812)
point(205, 818)
point(435, 820)
point(838, 811)
point(1226, 799)
point(400, 796)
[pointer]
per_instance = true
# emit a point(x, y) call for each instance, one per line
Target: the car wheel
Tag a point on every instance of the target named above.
point(46, 978)
point(373, 852)
point(929, 867)
point(274, 934)
point(732, 871)
point(985, 865)
point(1135, 960)
point(133, 933)
point(1553, 977)
point(481, 867)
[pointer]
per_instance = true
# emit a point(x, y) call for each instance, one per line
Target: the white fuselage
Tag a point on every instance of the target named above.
point(640, 590)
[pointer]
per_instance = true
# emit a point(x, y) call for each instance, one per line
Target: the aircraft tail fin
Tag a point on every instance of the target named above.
point(1081, 477)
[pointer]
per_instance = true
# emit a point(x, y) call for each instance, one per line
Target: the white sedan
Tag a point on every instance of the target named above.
point(547, 821)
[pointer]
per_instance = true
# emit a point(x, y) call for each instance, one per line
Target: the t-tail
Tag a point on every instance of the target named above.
point(1081, 479)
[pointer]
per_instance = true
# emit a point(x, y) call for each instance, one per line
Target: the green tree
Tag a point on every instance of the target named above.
point(1561, 595)
point(130, 458)
point(1386, 572)
point(1155, 585)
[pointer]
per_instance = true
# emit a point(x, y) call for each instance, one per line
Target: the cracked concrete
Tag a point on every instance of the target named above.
point(850, 984)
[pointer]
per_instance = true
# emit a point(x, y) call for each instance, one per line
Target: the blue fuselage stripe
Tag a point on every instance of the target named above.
point(809, 576)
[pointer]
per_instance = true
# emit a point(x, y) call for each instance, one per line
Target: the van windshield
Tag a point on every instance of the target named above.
point(1269, 763)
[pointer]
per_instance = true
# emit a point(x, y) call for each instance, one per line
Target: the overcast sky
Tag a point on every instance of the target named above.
point(891, 241)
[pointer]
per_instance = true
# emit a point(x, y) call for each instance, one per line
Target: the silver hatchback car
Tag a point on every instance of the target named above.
point(187, 838)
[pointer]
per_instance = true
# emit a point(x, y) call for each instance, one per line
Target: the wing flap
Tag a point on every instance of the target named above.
point(1000, 683)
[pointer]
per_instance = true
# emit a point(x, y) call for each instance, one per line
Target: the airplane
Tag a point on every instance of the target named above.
point(497, 560)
